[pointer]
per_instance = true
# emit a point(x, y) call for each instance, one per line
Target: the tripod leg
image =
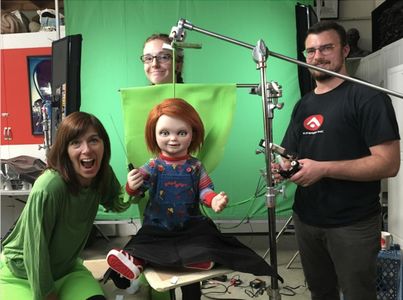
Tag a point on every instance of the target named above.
point(284, 228)
point(292, 260)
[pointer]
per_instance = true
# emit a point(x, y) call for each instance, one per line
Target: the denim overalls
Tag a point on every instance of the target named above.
point(174, 194)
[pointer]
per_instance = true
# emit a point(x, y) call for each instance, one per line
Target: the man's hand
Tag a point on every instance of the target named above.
point(219, 202)
point(310, 172)
point(276, 167)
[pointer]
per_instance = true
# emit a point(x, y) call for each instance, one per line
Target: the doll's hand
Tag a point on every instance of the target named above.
point(134, 179)
point(219, 202)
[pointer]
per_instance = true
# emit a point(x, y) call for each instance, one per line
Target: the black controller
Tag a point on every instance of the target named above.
point(295, 167)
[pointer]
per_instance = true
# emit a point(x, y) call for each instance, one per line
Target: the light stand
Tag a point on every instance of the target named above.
point(48, 124)
point(269, 93)
point(46, 111)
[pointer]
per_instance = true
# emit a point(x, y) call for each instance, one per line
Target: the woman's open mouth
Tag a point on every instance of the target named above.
point(87, 163)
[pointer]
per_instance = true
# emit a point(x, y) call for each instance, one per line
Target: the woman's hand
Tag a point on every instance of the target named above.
point(219, 202)
point(134, 179)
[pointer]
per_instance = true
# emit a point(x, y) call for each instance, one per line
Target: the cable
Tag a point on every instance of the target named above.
point(259, 192)
point(217, 292)
point(235, 281)
point(209, 297)
point(291, 290)
point(252, 291)
point(253, 294)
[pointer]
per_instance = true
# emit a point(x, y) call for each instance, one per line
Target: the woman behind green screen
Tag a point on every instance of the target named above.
point(40, 258)
point(158, 60)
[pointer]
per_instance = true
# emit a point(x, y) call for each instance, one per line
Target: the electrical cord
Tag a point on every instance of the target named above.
point(290, 290)
point(234, 281)
point(259, 191)
point(251, 290)
point(255, 293)
point(209, 297)
point(225, 291)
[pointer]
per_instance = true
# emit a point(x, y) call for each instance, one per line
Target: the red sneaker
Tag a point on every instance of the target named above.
point(207, 265)
point(123, 263)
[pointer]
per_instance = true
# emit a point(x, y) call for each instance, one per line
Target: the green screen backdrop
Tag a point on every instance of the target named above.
point(113, 37)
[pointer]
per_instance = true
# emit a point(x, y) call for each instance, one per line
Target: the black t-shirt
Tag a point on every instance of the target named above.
point(341, 124)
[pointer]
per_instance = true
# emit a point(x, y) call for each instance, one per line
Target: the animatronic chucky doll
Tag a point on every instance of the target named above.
point(175, 233)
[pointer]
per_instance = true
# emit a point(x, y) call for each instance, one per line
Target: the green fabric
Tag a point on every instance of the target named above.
point(78, 284)
point(214, 102)
point(53, 229)
point(125, 24)
point(128, 214)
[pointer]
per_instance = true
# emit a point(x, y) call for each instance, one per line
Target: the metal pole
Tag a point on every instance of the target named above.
point(247, 85)
point(345, 77)
point(260, 56)
point(185, 24)
point(57, 20)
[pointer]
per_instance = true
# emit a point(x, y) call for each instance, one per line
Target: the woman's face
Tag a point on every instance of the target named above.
point(86, 153)
point(158, 71)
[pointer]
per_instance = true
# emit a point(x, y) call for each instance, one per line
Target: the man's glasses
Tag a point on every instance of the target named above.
point(161, 58)
point(325, 50)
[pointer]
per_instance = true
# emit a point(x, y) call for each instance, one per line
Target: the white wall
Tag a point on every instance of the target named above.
point(357, 14)
point(385, 68)
point(395, 208)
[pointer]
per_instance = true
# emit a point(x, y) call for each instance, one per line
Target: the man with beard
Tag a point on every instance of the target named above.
point(347, 137)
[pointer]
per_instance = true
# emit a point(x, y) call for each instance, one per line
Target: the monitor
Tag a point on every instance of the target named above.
point(66, 65)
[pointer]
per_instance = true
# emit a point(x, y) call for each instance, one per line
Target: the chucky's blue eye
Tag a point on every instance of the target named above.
point(164, 133)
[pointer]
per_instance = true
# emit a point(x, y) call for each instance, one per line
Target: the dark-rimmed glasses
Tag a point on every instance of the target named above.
point(324, 49)
point(161, 58)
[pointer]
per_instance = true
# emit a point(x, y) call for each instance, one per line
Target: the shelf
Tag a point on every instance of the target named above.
point(15, 192)
point(353, 58)
point(30, 39)
point(29, 5)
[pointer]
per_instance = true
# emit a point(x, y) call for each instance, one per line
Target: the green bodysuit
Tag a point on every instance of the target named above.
point(52, 231)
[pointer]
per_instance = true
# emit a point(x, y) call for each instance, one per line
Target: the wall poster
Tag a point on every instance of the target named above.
point(40, 92)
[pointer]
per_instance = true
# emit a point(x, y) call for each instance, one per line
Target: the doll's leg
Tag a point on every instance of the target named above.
point(207, 265)
point(125, 264)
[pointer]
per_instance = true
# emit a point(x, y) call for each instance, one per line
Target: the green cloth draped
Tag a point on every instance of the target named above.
point(214, 102)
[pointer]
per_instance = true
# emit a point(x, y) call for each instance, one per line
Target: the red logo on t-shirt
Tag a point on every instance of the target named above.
point(313, 123)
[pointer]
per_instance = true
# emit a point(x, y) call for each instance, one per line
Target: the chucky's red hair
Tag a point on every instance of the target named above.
point(176, 108)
